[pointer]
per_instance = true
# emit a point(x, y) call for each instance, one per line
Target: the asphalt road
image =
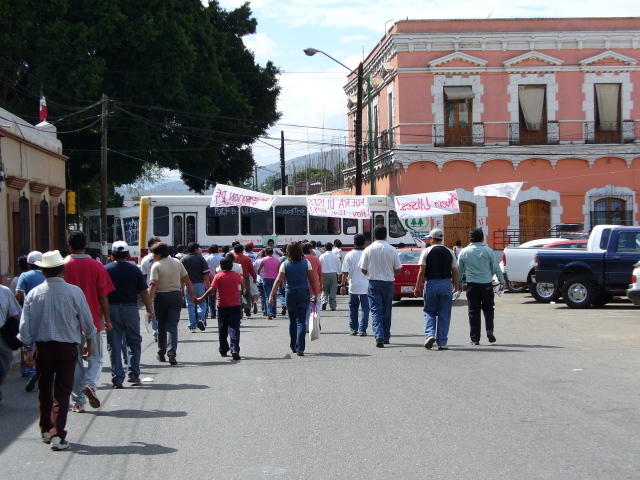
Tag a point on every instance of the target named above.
point(557, 397)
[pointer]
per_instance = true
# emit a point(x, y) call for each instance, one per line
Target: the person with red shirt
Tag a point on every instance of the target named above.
point(248, 270)
point(269, 266)
point(94, 281)
point(227, 284)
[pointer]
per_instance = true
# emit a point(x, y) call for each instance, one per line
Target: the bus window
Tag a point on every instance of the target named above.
point(396, 230)
point(177, 230)
point(255, 221)
point(131, 230)
point(350, 226)
point(160, 221)
point(291, 220)
point(111, 227)
point(378, 219)
point(93, 227)
point(191, 229)
point(366, 229)
point(118, 225)
point(324, 226)
point(222, 221)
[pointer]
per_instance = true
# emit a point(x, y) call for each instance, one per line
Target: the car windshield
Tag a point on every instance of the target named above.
point(410, 256)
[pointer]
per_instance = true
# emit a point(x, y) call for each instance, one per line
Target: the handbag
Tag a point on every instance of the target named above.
point(9, 332)
point(314, 323)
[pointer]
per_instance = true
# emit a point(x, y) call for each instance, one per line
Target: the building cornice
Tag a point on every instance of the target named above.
point(402, 158)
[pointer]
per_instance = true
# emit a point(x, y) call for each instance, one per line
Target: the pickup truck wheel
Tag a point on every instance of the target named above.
point(515, 287)
point(579, 292)
point(396, 298)
point(544, 292)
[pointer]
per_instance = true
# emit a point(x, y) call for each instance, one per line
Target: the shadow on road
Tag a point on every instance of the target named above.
point(128, 413)
point(136, 448)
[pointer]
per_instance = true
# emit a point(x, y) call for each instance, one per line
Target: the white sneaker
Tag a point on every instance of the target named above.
point(46, 437)
point(429, 343)
point(58, 444)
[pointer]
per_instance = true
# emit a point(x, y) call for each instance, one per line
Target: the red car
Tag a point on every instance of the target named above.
point(574, 243)
point(406, 280)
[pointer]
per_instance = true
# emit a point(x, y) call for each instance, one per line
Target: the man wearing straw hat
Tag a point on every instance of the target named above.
point(53, 314)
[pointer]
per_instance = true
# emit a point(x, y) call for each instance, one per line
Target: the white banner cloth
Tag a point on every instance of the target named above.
point(433, 204)
point(227, 196)
point(508, 190)
point(339, 206)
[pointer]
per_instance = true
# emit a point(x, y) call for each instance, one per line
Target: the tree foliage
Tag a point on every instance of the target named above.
point(188, 94)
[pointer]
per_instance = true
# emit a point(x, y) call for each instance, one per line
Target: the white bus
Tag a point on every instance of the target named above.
point(179, 220)
point(122, 224)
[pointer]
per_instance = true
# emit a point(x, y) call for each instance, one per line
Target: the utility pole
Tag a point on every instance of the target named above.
point(283, 178)
point(103, 181)
point(255, 178)
point(358, 131)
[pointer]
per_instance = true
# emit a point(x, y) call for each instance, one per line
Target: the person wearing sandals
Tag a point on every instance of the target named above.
point(166, 277)
point(299, 275)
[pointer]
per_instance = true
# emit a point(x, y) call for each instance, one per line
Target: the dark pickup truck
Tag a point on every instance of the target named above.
point(595, 275)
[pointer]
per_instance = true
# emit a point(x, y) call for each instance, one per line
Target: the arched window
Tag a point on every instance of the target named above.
point(25, 225)
point(610, 211)
point(43, 241)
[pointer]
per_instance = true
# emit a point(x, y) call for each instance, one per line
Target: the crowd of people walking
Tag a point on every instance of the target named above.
point(60, 307)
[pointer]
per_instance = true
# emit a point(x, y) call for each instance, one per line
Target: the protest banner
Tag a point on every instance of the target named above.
point(338, 207)
point(227, 196)
point(431, 204)
point(508, 190)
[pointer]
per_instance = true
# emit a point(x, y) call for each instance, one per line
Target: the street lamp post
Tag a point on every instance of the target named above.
point(372, 175)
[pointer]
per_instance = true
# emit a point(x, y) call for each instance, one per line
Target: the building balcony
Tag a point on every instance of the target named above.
point(611, 132)
point(546, 133)
point(472, 136)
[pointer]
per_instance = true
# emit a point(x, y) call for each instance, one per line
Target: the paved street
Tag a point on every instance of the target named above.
point(555, 398)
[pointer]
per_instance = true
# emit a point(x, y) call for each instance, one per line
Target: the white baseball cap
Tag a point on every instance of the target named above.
point(34, 257)
point(120, 246)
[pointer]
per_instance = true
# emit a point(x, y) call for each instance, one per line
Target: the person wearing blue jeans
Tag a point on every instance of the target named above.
point(124, 337)
point(299, 275)
point(358, 287)
point(200, 276)
point(439, 267)
point(380, 264)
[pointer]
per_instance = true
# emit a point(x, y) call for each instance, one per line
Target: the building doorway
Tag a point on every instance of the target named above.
point(456, 227)
point(535, 220)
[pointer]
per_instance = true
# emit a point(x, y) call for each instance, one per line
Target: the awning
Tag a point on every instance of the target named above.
point(458, 93)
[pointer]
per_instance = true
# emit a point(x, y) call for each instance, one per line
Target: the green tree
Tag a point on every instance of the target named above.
point(188, 94)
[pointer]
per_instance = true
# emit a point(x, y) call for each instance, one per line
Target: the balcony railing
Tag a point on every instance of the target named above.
point(385, 141)
point(610, 132)
point(458, 137)
point(544, 134)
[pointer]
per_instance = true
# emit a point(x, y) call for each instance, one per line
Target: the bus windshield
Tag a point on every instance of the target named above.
point(131, 230)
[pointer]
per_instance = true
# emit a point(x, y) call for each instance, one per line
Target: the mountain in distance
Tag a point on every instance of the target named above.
point(170, 186)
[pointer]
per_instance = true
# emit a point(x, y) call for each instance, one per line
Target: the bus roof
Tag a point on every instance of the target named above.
point(199, 200)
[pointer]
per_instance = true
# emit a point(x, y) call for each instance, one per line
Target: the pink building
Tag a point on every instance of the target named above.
point(551, 102)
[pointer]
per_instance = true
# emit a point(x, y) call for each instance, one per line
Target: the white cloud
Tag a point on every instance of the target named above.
point(263, 47)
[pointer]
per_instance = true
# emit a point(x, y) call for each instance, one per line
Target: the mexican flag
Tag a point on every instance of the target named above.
point(43, 106)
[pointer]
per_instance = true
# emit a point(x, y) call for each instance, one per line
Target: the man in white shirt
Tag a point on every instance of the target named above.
point(337, 249)
point(145, 268)
point(380, 264)
point(358, 287)
point(331, 268)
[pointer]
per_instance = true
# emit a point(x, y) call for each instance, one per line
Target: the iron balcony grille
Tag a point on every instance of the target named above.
point(459, 137)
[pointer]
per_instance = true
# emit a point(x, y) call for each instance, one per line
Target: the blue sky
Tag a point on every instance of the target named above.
point(312, 95)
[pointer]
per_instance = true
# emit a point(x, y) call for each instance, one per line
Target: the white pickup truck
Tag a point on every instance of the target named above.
point(517, 266)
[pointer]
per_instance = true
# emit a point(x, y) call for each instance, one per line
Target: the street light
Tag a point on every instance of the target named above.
point(310, 52)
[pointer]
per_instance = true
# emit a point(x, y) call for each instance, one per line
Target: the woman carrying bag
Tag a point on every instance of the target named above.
point(299, 275)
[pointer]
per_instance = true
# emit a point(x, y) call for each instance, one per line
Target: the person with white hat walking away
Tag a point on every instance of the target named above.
point(57, 318)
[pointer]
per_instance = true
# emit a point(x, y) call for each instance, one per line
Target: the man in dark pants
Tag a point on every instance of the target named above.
point(54, 314)
point(476, 267)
